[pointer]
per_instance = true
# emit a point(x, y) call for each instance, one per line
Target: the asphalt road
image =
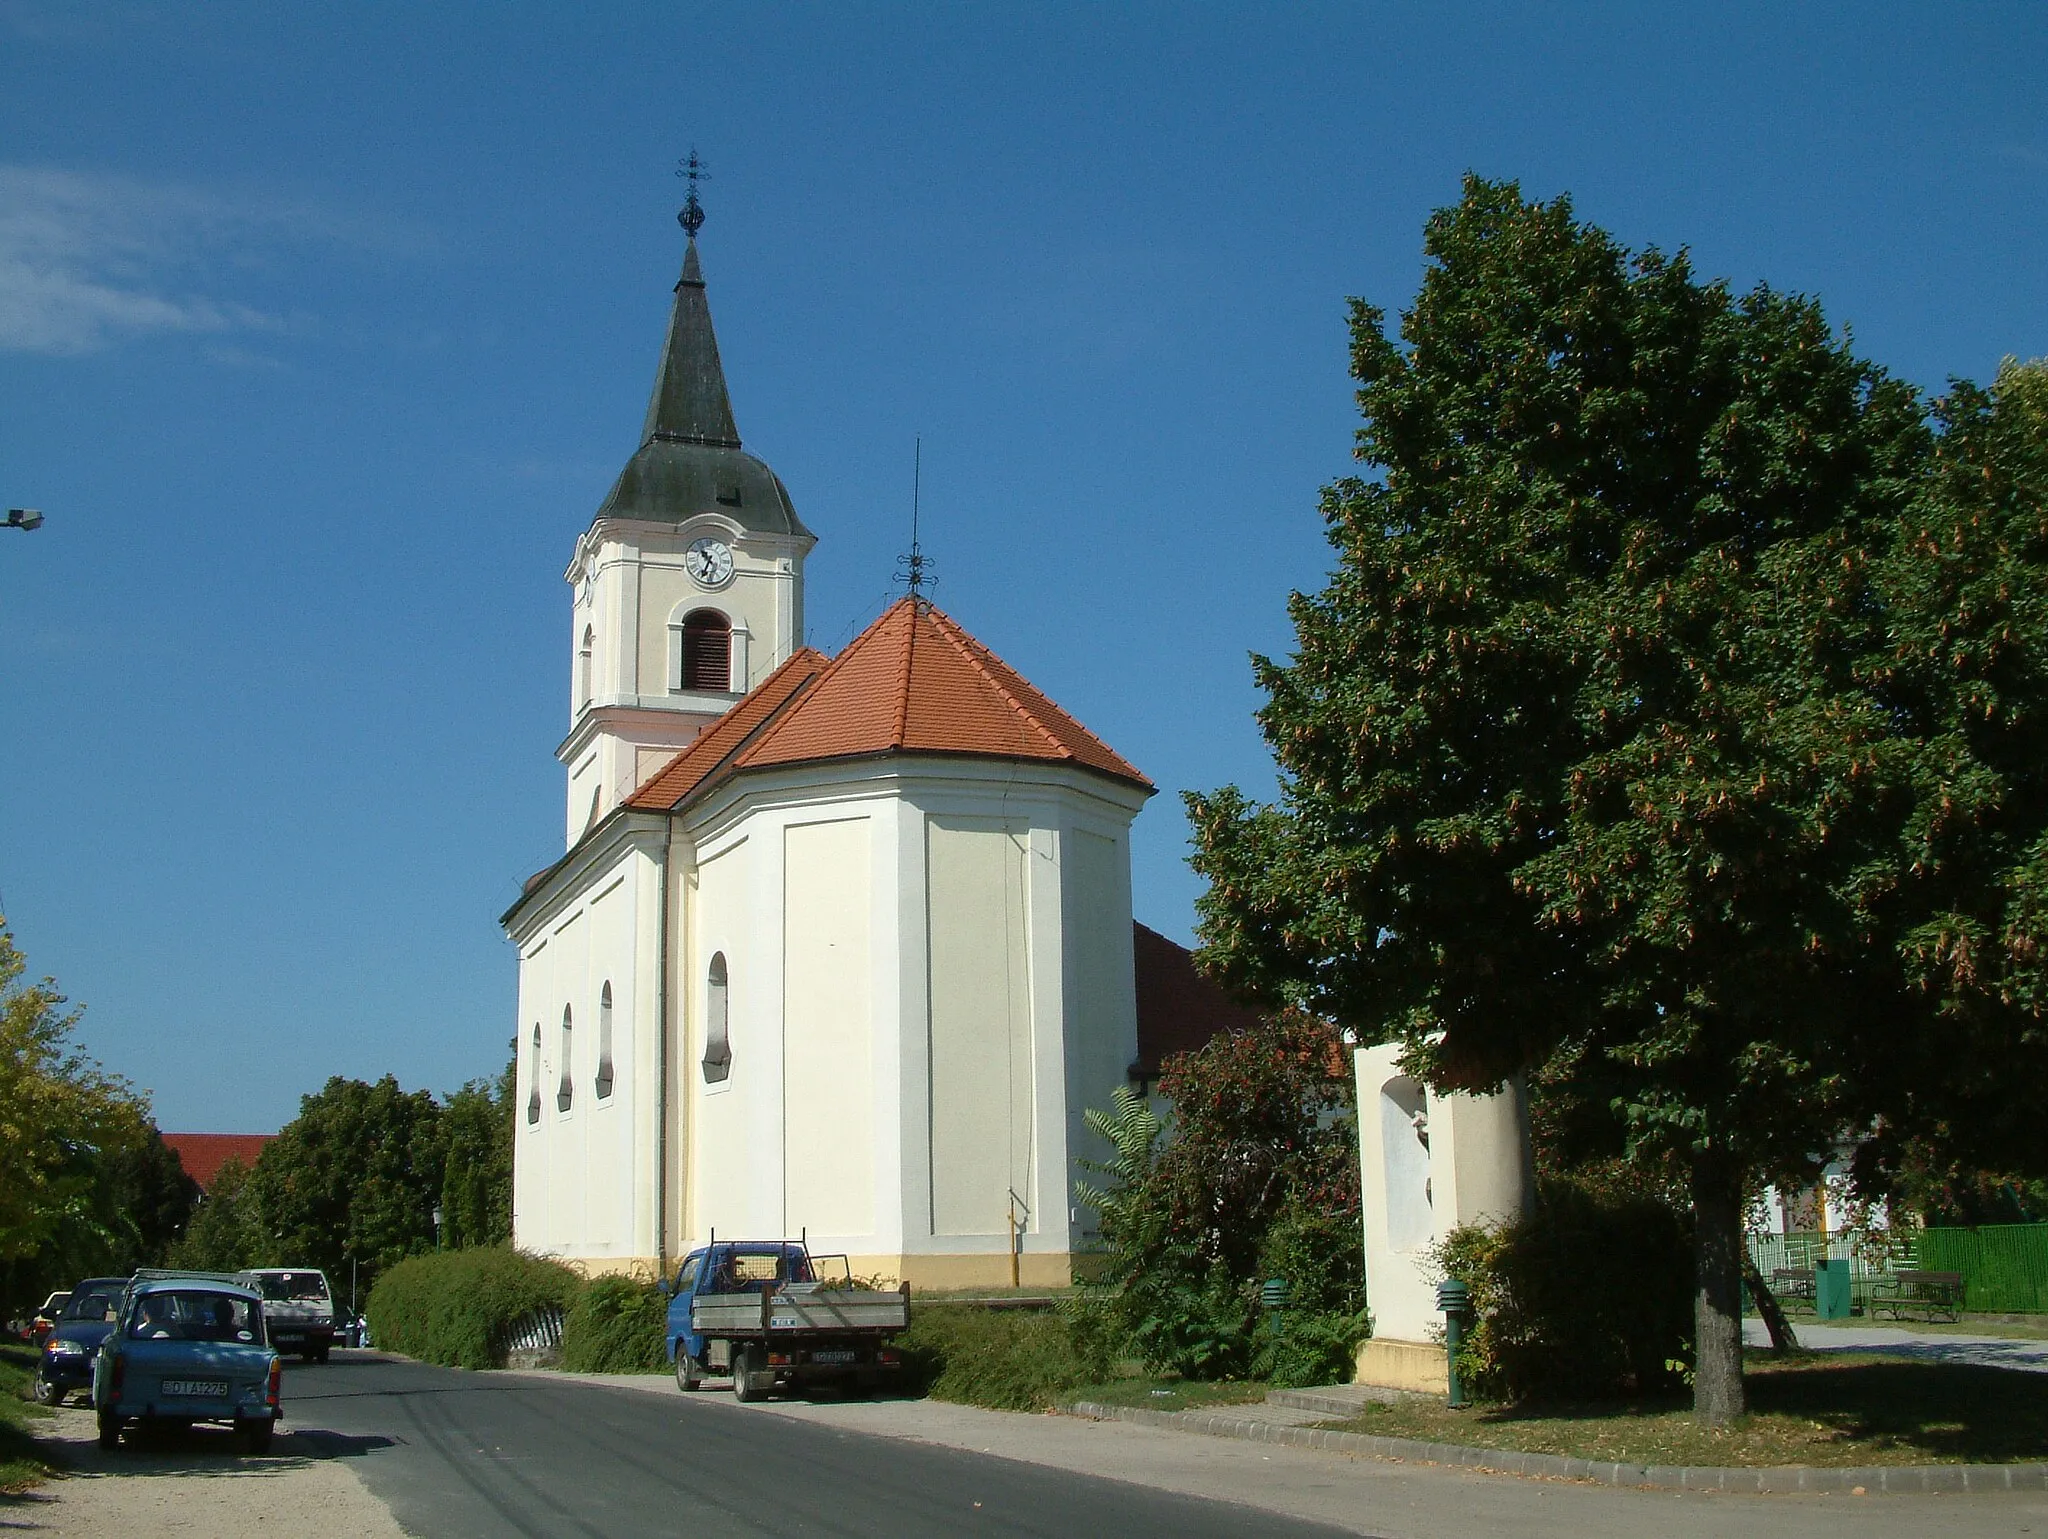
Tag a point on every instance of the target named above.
point(480, 1456)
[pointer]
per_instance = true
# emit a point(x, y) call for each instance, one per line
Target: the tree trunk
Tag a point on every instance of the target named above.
point(1767, 1305)
point(1717, 1394)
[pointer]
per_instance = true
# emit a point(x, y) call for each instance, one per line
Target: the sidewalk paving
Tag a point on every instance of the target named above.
point(1904, 1341)
point(1383, 1498)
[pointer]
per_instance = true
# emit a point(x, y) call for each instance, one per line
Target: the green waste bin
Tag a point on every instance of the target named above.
point(1831, 1290)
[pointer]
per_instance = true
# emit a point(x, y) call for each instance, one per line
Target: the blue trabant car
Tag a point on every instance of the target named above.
point(65, 1363)
point(186, 1349)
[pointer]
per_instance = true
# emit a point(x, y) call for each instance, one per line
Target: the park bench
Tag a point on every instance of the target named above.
point(1793, 1285)
point(1931, 1295)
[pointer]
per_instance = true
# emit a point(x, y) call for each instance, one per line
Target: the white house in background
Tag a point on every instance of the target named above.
point(840, 945)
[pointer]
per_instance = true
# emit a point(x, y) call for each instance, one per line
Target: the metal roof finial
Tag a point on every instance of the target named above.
point(916, 571)
point(692, 170)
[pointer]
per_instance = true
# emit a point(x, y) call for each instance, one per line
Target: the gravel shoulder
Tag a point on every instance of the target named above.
point(198, 1484)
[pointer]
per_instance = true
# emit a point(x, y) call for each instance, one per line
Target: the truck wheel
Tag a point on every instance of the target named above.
point(110, 1430)
point(319, 1354)
point(687, 1376)
point(751, 1377)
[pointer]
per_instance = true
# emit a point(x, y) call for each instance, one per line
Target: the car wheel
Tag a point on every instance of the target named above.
point(256, 1435)
point(321, 1355)
point(110, 1430)
point(47, 1393)
point(752, 1379)
point(687, 1377)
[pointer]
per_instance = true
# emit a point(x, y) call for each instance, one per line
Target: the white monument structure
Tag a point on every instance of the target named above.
point(1428, 1163)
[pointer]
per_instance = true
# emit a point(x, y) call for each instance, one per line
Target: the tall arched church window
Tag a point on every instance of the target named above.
point(565, 1092)
point(707, 650)
point(604, 1043)
point(533, 1079)
point(584, 655)
point(717, 1036)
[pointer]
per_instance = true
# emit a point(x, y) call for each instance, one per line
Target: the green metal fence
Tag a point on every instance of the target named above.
point(2004, 1266)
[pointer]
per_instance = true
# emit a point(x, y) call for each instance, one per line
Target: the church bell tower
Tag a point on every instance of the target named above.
point(688, 585)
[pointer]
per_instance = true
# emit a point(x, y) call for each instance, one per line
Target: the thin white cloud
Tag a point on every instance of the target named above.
point(88, 260)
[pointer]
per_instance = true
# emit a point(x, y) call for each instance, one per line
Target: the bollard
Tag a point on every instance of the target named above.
point(1273, 1296)
point(1455, 1300)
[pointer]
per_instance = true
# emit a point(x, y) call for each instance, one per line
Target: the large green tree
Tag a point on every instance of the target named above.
point(477, 1189)
point(355, 1177)
point(1582, 749)
point(86, 1184)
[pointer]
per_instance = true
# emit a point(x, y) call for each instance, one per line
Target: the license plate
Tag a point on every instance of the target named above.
point(197, 1389)
point(834, 1356)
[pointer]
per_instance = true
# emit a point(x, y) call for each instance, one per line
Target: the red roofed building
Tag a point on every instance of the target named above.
point(840, 944)
point(203, 1154)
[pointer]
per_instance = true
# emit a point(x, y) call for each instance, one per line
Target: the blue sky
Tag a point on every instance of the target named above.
point(324, 329)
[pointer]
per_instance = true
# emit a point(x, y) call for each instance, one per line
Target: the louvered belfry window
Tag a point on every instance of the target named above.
point(707, 650)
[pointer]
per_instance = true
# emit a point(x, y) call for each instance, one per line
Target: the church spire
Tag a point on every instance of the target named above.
point(689, 404)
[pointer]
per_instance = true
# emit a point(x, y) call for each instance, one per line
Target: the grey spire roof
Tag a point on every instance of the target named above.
point(690, 460)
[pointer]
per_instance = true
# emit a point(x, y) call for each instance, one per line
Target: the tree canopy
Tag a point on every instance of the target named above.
point(1630, 728)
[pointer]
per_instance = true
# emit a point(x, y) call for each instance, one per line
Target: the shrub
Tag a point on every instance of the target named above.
point(616, 1325)
point(457, 1307)
point(1587, 1297)
point(1005, 1359)
point(1314, 1347)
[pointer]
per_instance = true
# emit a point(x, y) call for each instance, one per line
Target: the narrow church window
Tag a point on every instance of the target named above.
point(533, 1079)
point(566, 1091)
point(584, 654)
point(604, 1043)
point(707, 650)
point(717, 1043)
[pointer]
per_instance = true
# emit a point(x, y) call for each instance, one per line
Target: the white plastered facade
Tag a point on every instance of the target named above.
point(928, 978)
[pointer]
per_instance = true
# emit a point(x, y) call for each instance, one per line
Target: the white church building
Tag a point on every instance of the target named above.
point(840, 946)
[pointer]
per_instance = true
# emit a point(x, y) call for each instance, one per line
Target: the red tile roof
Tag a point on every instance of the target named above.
point(716, 745)
point(1179, 1009)
point(913, 682)
point(203, 1154)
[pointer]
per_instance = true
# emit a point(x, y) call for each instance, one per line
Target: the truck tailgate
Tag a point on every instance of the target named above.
point(721, 1314)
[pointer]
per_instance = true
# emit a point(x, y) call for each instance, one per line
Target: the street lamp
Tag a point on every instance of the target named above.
point(437, 1226)
point(24, 518)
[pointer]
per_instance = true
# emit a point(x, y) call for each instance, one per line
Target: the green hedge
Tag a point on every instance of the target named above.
point(2004, 1266)
point(1587, 1297)
point(616, 1325)
point(456, 1307)
point(1006, 1359)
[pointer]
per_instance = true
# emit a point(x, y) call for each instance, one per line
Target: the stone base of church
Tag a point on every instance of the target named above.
point(1417, 1366)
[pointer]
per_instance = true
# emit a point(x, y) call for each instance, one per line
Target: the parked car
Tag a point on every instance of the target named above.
point(186, 1348)
point(68, 1351)
point(46, 1317)
point(298, 1309)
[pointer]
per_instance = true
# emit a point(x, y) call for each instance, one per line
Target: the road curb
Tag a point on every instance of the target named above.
point(1872, 1480)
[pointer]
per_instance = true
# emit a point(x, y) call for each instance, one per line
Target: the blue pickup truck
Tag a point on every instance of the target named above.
point(772, 1315)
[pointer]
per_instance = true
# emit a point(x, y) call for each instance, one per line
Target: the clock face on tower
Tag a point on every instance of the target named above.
point(709, 562)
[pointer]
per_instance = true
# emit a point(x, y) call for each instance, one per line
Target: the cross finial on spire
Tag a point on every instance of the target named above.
point(691, 169)
point(916, 571)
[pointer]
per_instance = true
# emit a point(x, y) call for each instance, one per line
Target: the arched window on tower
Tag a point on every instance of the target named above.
point(584, 666)
point(533, 1079)
point(604, 1043)
point(717, 1038)
point(565, 1092)
point(707, 650)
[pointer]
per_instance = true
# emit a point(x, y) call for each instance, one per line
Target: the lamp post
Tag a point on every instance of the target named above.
point(437, 1226)
point(1455, 1300)
point(24, 518)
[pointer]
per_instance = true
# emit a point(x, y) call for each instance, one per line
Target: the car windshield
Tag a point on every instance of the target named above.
point(193, 1315)
point(97, 1305)
point(293, 1287)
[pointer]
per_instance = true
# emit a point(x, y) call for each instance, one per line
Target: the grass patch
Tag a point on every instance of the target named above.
point(1840, 1409)
point(23, 1461)
point(2008, 1329)
point(1173, 1394)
